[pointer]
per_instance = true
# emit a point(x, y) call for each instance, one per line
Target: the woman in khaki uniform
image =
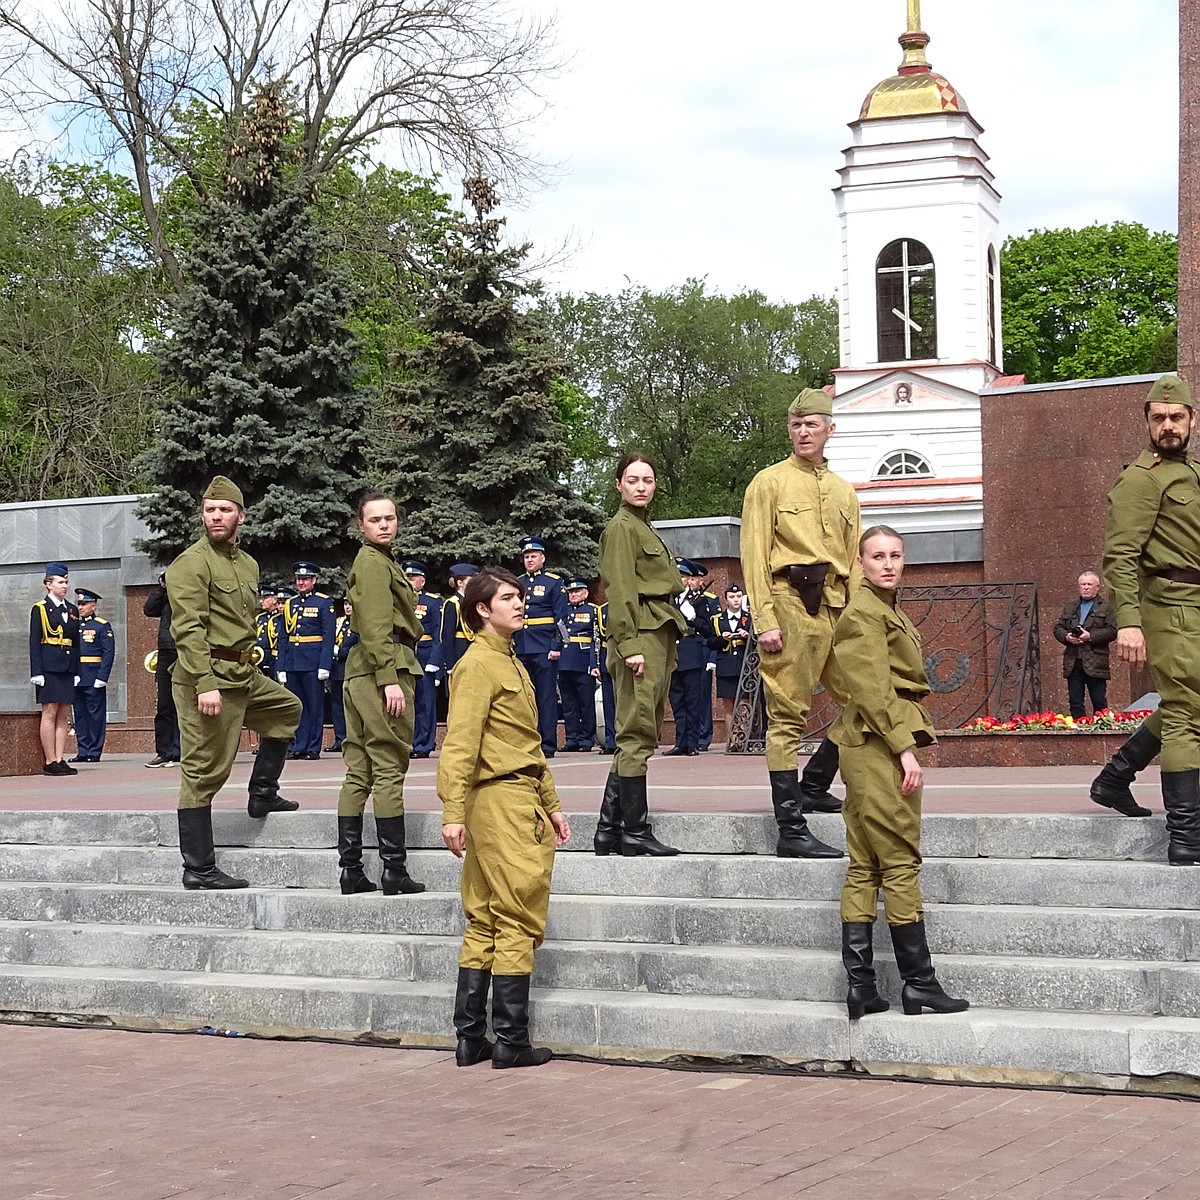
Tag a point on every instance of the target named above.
point(878, 652)
point(381, 676)
point(641, 581)
point(500, 810)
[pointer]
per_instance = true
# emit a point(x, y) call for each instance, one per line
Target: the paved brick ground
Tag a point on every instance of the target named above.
point(90, 1113)
point(713, 782)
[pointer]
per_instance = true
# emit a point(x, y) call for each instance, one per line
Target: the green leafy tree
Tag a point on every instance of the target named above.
point(479, 446)
point(261, 366)
point(700, 381)
point(1089, 303)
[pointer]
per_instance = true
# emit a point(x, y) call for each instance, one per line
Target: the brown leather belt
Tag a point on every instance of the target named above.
point(534, 773)
point(404, 639)
point(1181, 575)
point(228, 654)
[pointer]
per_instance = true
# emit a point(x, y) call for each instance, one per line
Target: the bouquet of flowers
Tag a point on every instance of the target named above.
point(1105, 721)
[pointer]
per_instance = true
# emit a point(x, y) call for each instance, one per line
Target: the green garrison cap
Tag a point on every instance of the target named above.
point(811, 403)
point(1170, 389)
point(223, 488)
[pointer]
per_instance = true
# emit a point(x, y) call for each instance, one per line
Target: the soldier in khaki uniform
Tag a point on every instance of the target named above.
point(500, 809)
point(213, 592)
point(800, 525)
point(641, 581)
point(878, 653)
point(381, 680)
point(1152, 569)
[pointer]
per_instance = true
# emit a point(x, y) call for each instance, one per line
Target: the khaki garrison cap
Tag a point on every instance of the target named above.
point(223, 488)
point(811, 403)
point(1170, 389)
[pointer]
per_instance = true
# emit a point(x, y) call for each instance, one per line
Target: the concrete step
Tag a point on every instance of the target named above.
point(1104, 1050)
point(1023, 836)
point(1138, 935)
point(758, 973)
point(1061, 883)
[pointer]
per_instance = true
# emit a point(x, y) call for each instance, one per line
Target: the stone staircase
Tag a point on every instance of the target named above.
point(1078, 947)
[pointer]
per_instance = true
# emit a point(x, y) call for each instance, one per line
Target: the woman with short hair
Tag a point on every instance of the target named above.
point(54, 665)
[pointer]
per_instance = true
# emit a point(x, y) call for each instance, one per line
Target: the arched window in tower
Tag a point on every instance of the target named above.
point(993, 348)
point(901, 464)
point(905, 302)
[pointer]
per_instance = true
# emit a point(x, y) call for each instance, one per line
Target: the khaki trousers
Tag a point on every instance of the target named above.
point(883, 836)
point(505, 877)
point(1173, 652)
point(208, 745)
point(376, 748)
point(641, 702)
point(790, 677)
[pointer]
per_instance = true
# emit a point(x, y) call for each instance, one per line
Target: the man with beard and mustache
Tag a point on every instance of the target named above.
point(1152, 568)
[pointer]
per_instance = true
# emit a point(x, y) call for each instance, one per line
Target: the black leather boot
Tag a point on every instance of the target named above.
point(510, 1020)
point(795, 838)
point(199, 858)
point(1111, 787)
point(637, 837)
point(816, 778)
point(470, 1017)
point(608, 828)
point(395, 879)
point(350, 833)
point(1181, 799)
point(921, 987)
point(264, 779)
point(858, 957)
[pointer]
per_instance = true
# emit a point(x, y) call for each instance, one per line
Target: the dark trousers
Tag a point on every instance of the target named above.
point(307, 687)
point(1097, 689)
point(686, 694)
point(706, 710)
point(578, 692)
point(166, 723)
point(608, 701)
point(425, 715)
point(543, 674)
point(337, 709)
point(91, 720)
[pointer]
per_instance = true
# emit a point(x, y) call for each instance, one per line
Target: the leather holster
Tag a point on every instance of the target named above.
point(808, 579)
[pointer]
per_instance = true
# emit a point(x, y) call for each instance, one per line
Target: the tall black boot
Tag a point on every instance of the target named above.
point(1181, 799)
point(795, 838)
point(1111, 786)
point(350, 835)
point(637, 837)
point(608, 828)
point(470, 1017)
point(816, 778)
point(199, 858)
point(392, 850)
point(858, 957)
point(921, 987)
point(510, 1020)
point(264, 779)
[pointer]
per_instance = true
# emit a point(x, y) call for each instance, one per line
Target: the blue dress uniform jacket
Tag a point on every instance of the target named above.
point(54, 650)
point(429, 613)
point(545, 622)
point(577, 670)
point(690, 690)
point(453, 637)
point(97, 648)
point(730, 650)
point(344, 640)
point(306, 647)
point(608, 699)
point(267, 640)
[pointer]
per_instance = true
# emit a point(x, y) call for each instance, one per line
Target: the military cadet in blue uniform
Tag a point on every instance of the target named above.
point(54, 665)
point(608, 699)
point(539, 643)
point(691, 679)
point(454, 634)
point(731, 633)
point(306, 656)
point(344, 640)
point(429, 613)
point(579, 668)
point(267, 629)
point(97, 648)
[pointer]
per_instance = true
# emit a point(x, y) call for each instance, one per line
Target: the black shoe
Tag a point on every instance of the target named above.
point(702, 749)
point(336, 748)
point(675, 752)
point(921, 987)
point(510, 1020)
point(81, 758)
point(158, 761)
point(548, 753)
point(470, 1017)
point(64, 768)
point(395, 880)
point(858, 957)
point(637, 837)
point(263, 793)
point(1181, 799)
point(796, 840)
point(608, 827)
point(200, 870)
point(1111, 787)
point(419, 754)
point(350, 854)
point(293, 755)
point(53, 768)
point(608, 750)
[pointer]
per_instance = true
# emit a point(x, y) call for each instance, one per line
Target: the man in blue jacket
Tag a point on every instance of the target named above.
point(306, 656)
point(579, 668)
point(691, 681)
point(429, 613)
point(96, 650)
point(539, 643)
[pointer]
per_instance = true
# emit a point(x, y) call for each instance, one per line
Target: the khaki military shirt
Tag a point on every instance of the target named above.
point(213, 592)
point(641, 580)
point(384, 604)
point(491, 729)
point(1153, 524)
point(878, 652)
point(797, 512)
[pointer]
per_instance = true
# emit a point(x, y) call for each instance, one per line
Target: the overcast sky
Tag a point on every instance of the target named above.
point(698, 139)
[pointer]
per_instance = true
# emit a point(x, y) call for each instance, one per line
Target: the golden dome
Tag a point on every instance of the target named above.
point(916, 88)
